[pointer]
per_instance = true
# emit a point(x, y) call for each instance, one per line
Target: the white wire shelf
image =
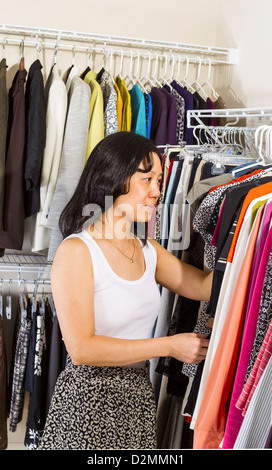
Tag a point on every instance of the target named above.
point(217, 55)
point(237, 113)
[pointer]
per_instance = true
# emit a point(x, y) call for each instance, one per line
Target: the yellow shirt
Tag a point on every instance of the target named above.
point(126, 116)
point(96, 128)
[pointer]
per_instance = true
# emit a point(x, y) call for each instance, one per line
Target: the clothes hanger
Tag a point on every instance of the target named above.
point(38, 47)
point(136, 75)
point(162, 79)
point(73, 55)
point(146, 77)
point(184, 81)
point(153, 77)
point(129, 76)
point(8, 302)
point(5, 41)
point(196, 82)
point(22, 60)
point(259, 137)
point(171, 78)
point(120, 74)
point(207, 82)
point(42, 302)
point(54, 62)
point(23, 296)
point(110, 66)
point(88, 68)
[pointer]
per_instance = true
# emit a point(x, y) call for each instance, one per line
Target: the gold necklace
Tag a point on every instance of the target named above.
point(130, 258)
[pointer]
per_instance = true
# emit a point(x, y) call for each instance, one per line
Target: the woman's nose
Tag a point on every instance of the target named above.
point(155, 191)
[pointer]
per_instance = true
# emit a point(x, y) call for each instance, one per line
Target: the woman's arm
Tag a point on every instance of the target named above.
point(73, 292)
point(181, 278)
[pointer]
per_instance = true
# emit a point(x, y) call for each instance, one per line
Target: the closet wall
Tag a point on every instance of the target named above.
point(246, 24)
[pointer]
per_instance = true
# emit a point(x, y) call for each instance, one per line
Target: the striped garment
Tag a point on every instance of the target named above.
point(257, 423)
point(256, 373)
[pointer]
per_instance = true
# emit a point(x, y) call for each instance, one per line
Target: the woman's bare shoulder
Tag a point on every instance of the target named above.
point(72, 253)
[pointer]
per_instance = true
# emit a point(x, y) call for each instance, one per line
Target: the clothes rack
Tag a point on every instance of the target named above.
point(218, 55)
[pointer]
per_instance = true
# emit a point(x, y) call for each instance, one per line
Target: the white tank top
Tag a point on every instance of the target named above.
point(122, 308)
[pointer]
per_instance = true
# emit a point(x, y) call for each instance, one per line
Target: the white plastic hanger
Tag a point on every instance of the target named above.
point(129, 76)
point(153, 77)
point(207, 83)
point(146, 80)
point(136, 75)
point(162, 79)
point(184, 80)
point(196, 82)
point(56, 50)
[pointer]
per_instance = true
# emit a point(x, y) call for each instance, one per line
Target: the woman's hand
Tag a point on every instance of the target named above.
point(188, 347)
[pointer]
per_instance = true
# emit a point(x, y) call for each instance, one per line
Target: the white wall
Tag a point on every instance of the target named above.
point(247, 24)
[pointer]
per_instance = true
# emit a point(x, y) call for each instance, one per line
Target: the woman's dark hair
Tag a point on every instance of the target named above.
point(107, 173)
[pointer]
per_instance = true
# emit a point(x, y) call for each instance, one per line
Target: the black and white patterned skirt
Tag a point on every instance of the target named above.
point(101, 408)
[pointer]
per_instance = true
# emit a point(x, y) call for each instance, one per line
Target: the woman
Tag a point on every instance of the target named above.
point(105, 287)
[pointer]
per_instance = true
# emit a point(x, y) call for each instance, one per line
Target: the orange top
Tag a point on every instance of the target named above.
point(254, 193)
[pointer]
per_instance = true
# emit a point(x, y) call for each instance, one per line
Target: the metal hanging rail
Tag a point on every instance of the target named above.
point(237, 113)
point(40, 36)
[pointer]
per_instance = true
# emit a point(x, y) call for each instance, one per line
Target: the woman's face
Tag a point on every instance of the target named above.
point(139, 203)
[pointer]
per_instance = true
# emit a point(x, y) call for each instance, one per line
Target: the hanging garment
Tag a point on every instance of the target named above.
point(109, 101)
point(13, 216)
point(234, 418)
point(72, 72)
point(158, 131)
point(256, 373)
point(55, 124)
point(46, 369)
point(256, 426)
point(264, 318)
point(56, 357)
point(189, 104)
point(222, 289)
point(148, 112)
point(126, 111)
point(235, 295)
point(212, 410)
point(3, 389)
point(35, 137)
point(138, 120)
point(201, 224)
point(96, 125)
point(72, 158)
point(180, 113)
point(171, 135)
point(34, 419)
point(3, 133)
point(119, 106)
point(17, 380)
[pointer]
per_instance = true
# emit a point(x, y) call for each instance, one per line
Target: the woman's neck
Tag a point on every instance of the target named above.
point(113, 228)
